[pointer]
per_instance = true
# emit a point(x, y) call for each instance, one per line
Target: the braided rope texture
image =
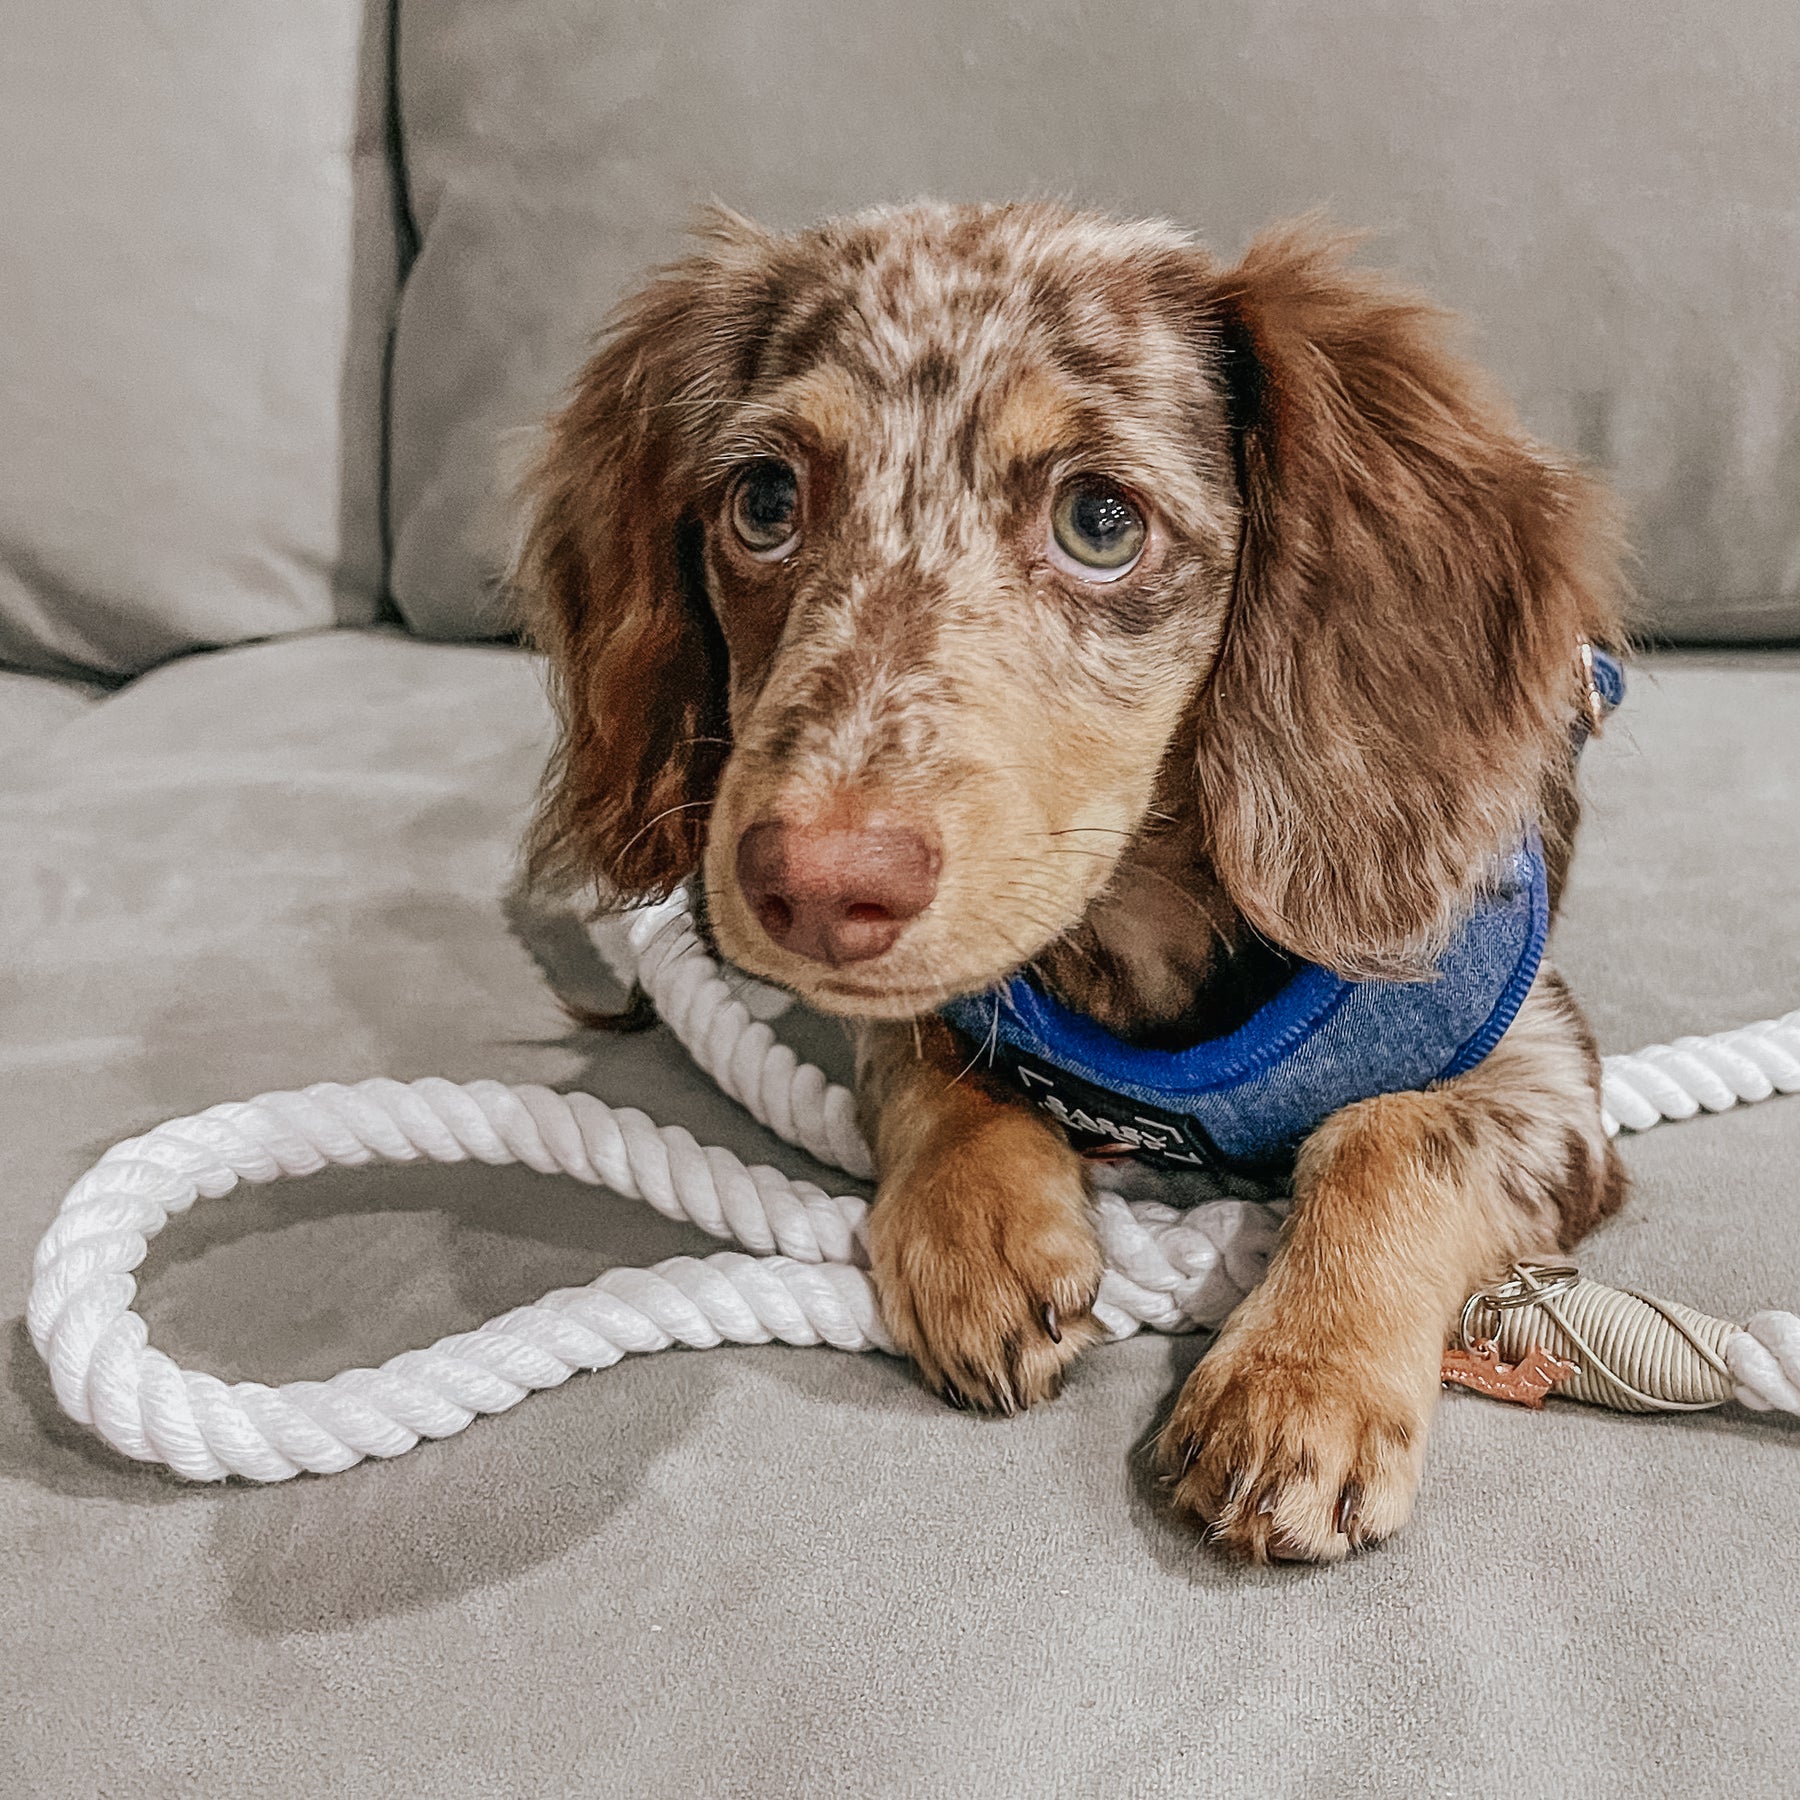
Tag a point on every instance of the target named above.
point(1695, 1074)
point(806, 1285)
point(739, 1051)
point(1167, 1270)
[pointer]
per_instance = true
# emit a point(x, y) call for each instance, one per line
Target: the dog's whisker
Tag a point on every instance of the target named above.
point(650, 824)
point(672, 926)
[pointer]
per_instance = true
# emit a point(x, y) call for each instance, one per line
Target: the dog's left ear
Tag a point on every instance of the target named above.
point(1399, 676)
point(611, 586)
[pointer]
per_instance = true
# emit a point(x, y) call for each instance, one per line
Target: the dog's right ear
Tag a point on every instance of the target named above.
point(611, 584)
point(1393, 703)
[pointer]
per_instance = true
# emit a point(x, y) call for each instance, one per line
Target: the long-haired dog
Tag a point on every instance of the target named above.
point(956, 591)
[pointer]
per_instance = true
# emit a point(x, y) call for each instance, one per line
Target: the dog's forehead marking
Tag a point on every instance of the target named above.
point(922, 291)
point(824, 401)
point(1034, 410)
point(935, 352)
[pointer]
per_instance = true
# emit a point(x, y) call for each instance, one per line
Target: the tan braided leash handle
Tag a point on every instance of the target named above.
point(1545, 1329)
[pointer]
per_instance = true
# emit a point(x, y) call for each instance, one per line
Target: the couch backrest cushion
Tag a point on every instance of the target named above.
point(197, 263)
point(1607, 190)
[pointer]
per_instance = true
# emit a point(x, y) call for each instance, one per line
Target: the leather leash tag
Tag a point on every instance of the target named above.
point(1523, 1383)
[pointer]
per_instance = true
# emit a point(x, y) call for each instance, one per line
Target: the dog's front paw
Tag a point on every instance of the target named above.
point(1286, 1459)
point(987, 1267)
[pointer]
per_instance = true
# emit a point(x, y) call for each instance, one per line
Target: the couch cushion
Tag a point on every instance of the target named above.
point(198, 263)
point(1606, 192)
point(787, 1572)
point(33, 708)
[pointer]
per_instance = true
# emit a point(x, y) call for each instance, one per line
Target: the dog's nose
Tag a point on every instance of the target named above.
point(836, 894)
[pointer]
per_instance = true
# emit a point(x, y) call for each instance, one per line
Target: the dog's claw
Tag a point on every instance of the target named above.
point(1050, 1324)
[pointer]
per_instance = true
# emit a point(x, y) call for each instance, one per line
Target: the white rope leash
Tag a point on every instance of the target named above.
point(1170, 1270)
point(1166, 1269)
point(661, 953)
point(1695, 1074)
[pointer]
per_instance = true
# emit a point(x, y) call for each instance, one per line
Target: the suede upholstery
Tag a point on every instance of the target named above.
point(788, 1572)
point(198, 268)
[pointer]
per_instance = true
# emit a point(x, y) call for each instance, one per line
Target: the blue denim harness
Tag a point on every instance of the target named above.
point(1244, 1102)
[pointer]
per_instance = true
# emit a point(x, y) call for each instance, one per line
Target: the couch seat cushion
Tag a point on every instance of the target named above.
point(787, 1572)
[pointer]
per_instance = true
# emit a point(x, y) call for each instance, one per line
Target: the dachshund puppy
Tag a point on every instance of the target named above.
point(964, 595)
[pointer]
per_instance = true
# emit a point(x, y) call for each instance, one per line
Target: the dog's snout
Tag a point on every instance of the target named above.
point(836, 894)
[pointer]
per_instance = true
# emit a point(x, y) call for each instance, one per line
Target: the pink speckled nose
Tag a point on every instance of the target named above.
point(836, 894)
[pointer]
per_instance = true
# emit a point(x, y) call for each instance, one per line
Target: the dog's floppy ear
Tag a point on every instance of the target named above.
point(1400, 671)
point(610, 581)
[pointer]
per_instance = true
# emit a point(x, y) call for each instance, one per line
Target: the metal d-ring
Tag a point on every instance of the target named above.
point(1527, 1285)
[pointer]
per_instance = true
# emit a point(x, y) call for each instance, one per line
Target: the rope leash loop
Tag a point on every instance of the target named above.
point(808, 1284)
point(1166, 1269)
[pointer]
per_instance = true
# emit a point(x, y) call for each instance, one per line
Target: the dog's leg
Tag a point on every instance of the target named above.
point(1300, 1435)
point(982, 1248)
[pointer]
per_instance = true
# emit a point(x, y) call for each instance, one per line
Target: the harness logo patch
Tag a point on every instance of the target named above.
point(1100, 1123)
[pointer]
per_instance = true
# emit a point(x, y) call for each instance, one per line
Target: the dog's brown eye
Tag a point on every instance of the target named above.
point(1096, 529)
point(765, 508)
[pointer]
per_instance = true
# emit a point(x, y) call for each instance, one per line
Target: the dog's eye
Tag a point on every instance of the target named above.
point(1095, 531)
point(765, 508)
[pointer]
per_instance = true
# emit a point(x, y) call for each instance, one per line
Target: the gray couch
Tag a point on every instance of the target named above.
point(278, 286)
